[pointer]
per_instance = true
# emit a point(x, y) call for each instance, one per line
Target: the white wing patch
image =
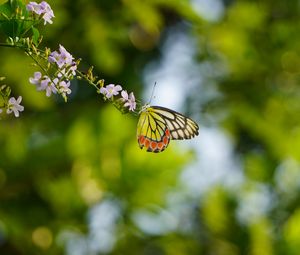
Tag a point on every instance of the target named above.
point(180, 127)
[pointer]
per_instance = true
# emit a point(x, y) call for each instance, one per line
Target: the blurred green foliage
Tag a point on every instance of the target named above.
point(59, 163)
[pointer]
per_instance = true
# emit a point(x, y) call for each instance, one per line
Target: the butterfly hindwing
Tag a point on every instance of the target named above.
point(157, 125)
point(152, 132)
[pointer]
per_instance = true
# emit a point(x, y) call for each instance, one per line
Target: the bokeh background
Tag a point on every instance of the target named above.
point(72, 178)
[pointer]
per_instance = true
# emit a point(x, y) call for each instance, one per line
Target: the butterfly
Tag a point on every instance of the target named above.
point(158, 125)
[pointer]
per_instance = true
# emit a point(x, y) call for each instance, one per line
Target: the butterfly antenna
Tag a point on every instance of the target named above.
point(152, 93)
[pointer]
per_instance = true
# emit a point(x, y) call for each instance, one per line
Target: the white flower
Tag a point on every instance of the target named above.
point(43, 83)
point(65, 56)
point(48, 13)
point(110, 90)
point(34, 7)
point(42, 8)
point(129, 100)
point(50, 87)
point(54, 57)
point(103, 91)
point(36, 79)
point(63, 87)
point(62, 58)
point(14, 106)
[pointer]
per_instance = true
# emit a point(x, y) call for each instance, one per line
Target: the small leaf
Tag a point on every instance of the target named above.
point(35, 35)
point(6, 10)
point(5, 91)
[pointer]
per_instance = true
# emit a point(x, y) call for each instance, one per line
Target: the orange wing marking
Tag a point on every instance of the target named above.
point(154, 146)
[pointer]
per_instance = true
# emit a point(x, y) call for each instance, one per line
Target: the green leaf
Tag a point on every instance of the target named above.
point(14, 19)
point(5, 10)
point(35, 35)
point(7, 23)
point(5, 91)
point(9, 27)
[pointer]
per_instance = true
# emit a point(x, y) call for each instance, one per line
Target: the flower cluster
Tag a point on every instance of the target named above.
point(57, 69)
point(113, 90)
point(14, 105)
point(43, 9)
point(65, 62)
point(65, 71)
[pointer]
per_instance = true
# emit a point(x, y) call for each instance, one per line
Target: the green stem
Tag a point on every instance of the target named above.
point(83, 76)
point(37, 62)
point(7, 45)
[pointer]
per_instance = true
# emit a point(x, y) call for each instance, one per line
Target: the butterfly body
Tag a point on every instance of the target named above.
point(158, 125)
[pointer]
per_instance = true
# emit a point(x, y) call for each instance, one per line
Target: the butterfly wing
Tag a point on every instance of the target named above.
point(180, 126)
point(157, 125)
point(152, 131)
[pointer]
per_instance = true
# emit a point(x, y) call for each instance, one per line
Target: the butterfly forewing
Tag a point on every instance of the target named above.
point(180, 126)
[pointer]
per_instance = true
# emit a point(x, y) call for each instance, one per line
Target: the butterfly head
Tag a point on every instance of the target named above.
point(144, 108)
